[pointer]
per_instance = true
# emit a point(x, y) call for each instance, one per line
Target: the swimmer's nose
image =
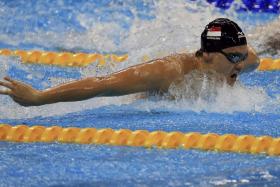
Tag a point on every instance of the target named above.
point(238, 67)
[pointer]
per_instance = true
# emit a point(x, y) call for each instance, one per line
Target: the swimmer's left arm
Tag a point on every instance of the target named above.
point(150, 76)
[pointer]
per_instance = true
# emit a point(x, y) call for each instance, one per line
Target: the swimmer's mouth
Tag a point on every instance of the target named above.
point(233, 76)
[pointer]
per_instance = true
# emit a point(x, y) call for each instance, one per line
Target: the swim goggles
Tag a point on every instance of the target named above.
point(235, 57)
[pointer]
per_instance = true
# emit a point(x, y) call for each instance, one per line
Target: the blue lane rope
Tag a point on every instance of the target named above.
point(268, 6)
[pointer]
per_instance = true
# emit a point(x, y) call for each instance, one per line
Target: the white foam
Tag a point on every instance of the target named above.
point(266, 175)
point(266, 39)
point(223, 182)
point(204, 94)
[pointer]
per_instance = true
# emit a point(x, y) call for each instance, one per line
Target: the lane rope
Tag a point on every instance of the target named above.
point(269, 64)
point(142, 138)
point(84, 59)
point(63, 58)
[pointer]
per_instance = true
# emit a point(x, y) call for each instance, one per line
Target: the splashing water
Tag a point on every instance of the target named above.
point(167, 27)
point(199, 92)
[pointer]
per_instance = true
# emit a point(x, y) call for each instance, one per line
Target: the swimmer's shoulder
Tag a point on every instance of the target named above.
point(180, 57)
point(180, 63)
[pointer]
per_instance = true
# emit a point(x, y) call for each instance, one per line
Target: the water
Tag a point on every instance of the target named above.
point(146, 29)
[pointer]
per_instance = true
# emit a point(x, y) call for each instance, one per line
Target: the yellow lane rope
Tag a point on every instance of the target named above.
point(84, 59)
point(63, 58)
point(268, 64)
point(142, 138)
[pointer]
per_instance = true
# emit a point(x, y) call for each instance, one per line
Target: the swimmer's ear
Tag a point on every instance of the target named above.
point(207, 57)
point(199, 53)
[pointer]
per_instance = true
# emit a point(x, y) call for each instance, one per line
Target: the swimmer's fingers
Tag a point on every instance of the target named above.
point(6, 84)
point(10, 80)
point(6, 92)
point(15, 83)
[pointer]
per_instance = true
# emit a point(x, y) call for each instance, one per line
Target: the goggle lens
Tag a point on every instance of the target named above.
point(235, 57)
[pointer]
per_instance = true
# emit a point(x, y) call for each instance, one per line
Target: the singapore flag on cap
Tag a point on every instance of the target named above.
point(214, 32)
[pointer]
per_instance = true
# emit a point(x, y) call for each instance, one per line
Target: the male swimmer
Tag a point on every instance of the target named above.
point(223, 50)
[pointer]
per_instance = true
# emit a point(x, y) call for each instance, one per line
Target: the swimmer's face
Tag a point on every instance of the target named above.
point(221, 64)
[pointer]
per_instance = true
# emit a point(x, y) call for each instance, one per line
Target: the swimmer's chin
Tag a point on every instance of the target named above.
point(232, 79)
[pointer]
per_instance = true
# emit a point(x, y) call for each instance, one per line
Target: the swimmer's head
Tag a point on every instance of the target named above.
point(223, 48)
point(220, 34)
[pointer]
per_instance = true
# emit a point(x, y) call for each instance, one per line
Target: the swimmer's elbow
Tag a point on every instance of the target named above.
point(257, 63)
point(252, 63)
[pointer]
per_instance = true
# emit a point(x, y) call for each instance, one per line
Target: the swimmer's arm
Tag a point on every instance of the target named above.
point(252, 62)
point(139, 78)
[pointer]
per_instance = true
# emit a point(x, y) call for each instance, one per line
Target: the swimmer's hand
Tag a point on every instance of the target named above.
point(20, 92)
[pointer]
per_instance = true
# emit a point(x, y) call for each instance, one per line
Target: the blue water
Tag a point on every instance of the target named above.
point(40, 164)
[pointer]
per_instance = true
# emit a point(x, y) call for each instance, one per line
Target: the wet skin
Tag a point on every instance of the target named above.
point(156, 75)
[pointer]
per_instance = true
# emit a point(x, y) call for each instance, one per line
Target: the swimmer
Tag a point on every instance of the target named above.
point(223, 50)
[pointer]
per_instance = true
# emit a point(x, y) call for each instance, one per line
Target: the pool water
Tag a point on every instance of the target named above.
point(142, 28)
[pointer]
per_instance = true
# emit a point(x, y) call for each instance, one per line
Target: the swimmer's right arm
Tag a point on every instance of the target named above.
point(139, 78)
point(252, 62)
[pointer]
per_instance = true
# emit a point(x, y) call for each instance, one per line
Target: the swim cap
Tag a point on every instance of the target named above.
point(220, 34)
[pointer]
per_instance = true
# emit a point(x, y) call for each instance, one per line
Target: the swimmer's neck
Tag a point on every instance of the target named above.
point(191, 62)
